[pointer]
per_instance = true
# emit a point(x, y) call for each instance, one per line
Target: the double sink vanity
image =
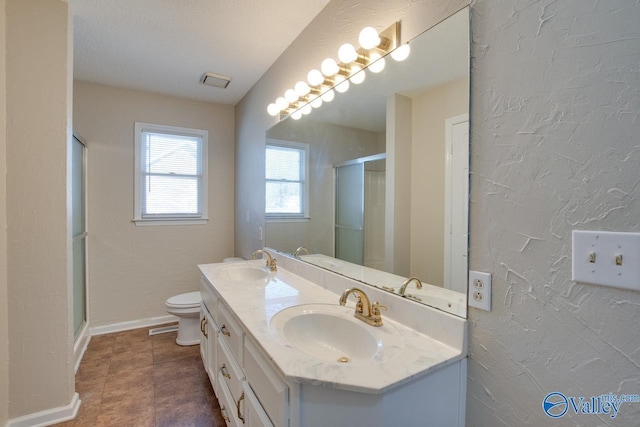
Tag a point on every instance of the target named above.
point(297, 345)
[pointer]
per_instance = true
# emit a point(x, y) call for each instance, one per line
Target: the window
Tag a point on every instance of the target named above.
point(286, 192)
point(170, 175)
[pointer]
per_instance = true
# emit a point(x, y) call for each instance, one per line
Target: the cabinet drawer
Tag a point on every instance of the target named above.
point(231, 333)
point(229, 370)
point(271, 391)
point(228, 406)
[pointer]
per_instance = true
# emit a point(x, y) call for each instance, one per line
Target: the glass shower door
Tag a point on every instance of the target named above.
point(79, 235)
point(349, 232)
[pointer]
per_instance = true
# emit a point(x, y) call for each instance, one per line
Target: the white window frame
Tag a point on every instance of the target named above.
point(203, 190)
point(297, 217)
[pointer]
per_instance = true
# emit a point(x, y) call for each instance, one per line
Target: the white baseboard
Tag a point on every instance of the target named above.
point(133, 324)
point(49, 416)
point(80, 346)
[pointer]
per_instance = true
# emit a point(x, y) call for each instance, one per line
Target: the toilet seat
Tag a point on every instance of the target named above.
point(185, 301)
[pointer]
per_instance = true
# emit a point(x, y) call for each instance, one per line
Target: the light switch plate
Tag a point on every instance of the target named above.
point(480, 290)
point(606, 258)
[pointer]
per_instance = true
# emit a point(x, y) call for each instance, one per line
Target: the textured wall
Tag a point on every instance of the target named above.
point(555, 123)
point(134, 269)
point(38, 131)
point(4, 319)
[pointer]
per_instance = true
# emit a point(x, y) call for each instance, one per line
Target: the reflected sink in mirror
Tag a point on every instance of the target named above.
point(331, 333)
point(243, 273)
point(323, 261)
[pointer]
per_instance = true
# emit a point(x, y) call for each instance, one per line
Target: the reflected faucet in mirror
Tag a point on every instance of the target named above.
point(365, 311)
point(271, 263)
point(300, 250)
point(403, 288)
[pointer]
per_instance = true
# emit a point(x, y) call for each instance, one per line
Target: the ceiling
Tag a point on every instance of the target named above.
point(165, 46)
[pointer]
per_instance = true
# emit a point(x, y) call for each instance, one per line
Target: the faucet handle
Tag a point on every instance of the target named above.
point(376, 307)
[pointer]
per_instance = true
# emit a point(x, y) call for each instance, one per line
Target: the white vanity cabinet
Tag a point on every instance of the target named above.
point(222, 349)
point(256, 388)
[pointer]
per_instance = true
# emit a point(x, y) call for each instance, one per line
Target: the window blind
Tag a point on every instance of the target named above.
point(171, 175)
point(285, 176)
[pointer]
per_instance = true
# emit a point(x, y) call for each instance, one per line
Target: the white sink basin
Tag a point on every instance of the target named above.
point(243, 273)
point(331, 333)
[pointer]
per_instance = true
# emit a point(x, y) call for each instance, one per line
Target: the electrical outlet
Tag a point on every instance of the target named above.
point(480, 290)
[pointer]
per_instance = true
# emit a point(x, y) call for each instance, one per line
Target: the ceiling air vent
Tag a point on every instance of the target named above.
point(216, 80)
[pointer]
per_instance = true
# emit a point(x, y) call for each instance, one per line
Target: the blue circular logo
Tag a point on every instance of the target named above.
point(555, 404)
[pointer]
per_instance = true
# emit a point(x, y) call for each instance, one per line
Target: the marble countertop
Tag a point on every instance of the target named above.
point(255, 303)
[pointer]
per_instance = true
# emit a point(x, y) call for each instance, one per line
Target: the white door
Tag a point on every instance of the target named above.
point(456, 203)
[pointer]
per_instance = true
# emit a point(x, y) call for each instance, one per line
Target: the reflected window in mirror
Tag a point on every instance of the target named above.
point(286, 180)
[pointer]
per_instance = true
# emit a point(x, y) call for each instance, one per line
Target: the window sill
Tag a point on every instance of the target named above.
point(284, 219)
point(170, 221)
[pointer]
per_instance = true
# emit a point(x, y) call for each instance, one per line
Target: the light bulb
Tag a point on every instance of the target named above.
point(401, 53)
point(369, 38)
point(291, 96)
point(329, 67)
point(376, 63)
point(296, 115)
point(315, 78)
point(306, 109)
point(342, 84)
point(328, 95)
point(316, 102)
point(347, 53)
point(357, 74)
point(273, 109)
point(282, 103)
point(302, 88)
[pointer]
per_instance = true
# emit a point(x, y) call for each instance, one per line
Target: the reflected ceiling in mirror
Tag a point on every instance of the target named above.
point(406, 216)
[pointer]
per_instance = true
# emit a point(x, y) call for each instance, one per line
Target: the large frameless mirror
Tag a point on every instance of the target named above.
point(378, 178)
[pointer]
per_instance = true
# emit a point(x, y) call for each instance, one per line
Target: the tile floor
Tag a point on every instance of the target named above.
point(133, 379)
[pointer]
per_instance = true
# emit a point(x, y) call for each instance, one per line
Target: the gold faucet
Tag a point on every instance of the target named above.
point(299, 250)
point(403, 288)
point(365, 311)
point(271, 263)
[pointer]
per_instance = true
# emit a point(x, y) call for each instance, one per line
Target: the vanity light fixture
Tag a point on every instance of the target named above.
point(333, 76)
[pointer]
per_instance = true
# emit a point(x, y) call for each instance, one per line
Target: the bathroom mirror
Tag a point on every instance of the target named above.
point(387, 174)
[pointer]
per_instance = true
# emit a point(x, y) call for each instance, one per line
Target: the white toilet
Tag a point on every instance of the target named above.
point(187, 308)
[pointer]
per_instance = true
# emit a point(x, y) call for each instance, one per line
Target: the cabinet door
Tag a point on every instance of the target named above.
point(212, 351)
point(203, 336)
point(253, 412)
